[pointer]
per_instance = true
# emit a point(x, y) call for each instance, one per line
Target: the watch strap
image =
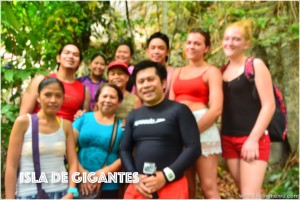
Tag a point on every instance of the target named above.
point(169, 174)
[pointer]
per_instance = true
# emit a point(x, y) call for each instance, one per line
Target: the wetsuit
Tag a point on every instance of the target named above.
point(159, 134)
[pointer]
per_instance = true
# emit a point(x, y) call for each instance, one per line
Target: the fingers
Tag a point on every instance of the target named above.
point(250, 155)
point(141, 188)
point(98, 187)
point(84, 189)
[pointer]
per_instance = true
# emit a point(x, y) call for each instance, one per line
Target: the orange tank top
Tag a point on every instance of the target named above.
point(194, 90)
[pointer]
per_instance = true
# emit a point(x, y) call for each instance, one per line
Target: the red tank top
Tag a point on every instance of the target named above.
point(195, 89)
point(73, 99)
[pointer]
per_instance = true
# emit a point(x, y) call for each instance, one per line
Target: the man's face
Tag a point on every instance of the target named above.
point(149, 87)
point(157, 51)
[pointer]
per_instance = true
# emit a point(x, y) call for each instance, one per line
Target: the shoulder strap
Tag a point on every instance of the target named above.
point(224, 68)
point(249, 69)
point(112, 139)
point(35, 149)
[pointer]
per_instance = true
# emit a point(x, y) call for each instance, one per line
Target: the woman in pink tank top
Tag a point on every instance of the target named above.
point(199, 86)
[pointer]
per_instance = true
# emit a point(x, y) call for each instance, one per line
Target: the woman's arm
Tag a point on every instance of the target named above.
point(29, 97)
point(214, 80)
point(263, 83)
point(71, 155)
point(114, 167)
point(13, 155)
point(87, 100)
point(171, 93)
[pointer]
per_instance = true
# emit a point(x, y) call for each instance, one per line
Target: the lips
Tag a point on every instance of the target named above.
point(147, 93)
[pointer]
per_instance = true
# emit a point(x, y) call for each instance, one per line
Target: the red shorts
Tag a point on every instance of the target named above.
point(232, 145)
point(175, 190)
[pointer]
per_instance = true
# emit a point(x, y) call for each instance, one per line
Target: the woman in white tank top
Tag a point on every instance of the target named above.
point(55, 142)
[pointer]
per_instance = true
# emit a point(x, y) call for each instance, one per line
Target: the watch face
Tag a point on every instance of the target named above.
point(149, 168)
point(171, 175)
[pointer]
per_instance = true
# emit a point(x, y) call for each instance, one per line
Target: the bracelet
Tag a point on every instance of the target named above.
point(74, 191)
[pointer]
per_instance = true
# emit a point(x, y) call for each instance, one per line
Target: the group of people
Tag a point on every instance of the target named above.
point(149, 118)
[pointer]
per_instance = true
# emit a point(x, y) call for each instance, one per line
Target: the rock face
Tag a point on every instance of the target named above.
point(283, 62)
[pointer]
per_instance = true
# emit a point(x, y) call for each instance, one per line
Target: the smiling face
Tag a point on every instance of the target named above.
point(195, 47)
point(118, 76)
point(108, 100)
point(97, 66)
point(149, 86)
point(51, 98)
point(123, 54)
point(234, 43)
point(157, 51)
point(69, 57)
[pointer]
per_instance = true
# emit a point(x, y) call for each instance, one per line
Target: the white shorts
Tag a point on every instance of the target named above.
point(210, 138)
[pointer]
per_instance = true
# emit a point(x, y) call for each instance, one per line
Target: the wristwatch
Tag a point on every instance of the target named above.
point(169, 174)
point(74, 191)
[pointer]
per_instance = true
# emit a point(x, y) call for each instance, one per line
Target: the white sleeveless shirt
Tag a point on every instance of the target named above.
point(52, 149)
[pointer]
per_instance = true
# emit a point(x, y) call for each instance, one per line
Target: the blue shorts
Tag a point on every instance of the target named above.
point(52, 195)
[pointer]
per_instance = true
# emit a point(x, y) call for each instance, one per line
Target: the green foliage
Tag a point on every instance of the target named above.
point(284, 182)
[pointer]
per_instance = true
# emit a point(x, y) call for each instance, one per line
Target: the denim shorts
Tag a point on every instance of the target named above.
point(52, 195)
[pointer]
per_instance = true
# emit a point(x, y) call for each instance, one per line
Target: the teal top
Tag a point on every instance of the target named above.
point(94, 141)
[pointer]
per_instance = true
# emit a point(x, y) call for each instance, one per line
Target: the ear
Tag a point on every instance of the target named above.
point(207, 49)
point(164, 84)
point(147, 52)
point(38, 98)
point(58, 58)
point(127, 78)
point(247, 45)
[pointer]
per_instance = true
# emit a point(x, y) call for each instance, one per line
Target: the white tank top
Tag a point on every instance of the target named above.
point(52, 149)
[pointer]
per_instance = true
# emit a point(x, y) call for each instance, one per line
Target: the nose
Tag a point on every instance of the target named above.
point(146, 84)
point(53, 99)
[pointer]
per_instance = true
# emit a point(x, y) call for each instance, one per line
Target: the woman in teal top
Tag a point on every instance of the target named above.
point(93, 131)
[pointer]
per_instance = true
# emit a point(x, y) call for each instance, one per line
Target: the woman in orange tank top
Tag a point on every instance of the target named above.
point(199, 86)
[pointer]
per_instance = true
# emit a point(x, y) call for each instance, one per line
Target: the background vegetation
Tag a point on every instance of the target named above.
point(33, 32)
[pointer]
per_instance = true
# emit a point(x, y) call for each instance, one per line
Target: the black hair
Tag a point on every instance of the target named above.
point(119, 91)
point(48, 81)
point(96, 55)
point(129, 45)
point(161, 36)
point(160, 70)
point(62, 48)
point(204, 33)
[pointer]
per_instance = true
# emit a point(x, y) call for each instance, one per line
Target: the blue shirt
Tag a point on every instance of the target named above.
point(94, 141)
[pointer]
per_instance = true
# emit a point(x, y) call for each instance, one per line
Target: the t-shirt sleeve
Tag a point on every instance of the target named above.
point(77, 124)
point(191, 139)
point(126, 147)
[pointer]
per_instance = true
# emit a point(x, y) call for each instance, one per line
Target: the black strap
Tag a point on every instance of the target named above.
point(35, 150)
point(112, 140)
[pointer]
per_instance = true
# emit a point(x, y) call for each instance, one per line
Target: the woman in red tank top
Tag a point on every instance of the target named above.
point(68, 59)
point(199, 86)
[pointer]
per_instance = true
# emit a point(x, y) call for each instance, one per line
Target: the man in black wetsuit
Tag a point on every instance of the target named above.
point(165, 136)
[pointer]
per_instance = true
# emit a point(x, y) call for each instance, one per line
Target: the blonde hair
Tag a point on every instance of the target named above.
point(246, 26)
